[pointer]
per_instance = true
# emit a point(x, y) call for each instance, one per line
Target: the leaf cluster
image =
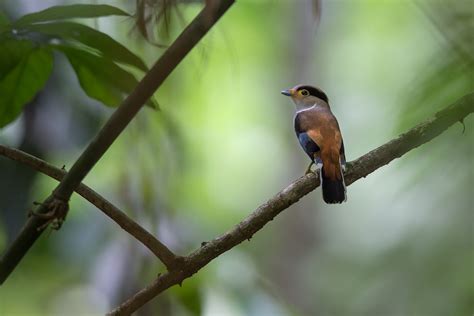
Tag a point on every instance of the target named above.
point(26, 56)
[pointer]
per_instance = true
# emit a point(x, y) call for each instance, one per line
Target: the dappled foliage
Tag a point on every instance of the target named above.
point(27, 46)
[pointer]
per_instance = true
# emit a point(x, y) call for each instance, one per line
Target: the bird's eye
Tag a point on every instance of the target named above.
point(304, 92)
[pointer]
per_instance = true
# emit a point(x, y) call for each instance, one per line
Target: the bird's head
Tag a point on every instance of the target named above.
point(305, 96)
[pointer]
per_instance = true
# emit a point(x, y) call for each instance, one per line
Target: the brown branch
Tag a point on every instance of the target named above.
point(58, 200)
point(357, 169)
point(130, 226)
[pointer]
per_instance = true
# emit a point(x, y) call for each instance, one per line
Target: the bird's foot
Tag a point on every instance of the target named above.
point(55, 215)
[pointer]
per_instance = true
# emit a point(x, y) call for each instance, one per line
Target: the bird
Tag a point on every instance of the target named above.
point(319, 135)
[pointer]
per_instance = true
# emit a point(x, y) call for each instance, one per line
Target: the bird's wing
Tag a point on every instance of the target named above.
point(322, 128)
point(309, 146)
point(306, 141)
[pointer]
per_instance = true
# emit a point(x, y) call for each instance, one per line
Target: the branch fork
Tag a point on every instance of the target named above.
point(70, 181)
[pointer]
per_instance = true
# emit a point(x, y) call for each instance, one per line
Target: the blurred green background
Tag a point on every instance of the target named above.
point(223, 143)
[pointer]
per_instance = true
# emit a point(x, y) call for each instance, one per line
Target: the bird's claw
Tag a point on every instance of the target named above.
point(308, 170)
point(56, 214)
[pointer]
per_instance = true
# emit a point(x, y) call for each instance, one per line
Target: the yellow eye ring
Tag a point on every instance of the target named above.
point(304, 92)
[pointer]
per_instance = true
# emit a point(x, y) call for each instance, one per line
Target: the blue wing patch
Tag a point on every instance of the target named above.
point(309, 146)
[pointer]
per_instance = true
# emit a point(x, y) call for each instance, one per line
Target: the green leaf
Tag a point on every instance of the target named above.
point(11, 53)
point(69, 12)
point(88, 36)
point(100, 78)
point(22, 82)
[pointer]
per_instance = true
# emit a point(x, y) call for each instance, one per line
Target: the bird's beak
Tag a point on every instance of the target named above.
point(287, 92)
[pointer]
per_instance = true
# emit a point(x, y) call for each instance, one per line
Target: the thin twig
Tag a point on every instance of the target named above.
point(357, 169)
point(128, 224)
point(111, 130)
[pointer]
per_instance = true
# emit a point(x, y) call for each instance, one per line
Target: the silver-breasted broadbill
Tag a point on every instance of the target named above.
point(319, 134)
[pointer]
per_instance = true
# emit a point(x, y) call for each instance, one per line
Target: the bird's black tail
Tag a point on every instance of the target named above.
point(334, 191)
